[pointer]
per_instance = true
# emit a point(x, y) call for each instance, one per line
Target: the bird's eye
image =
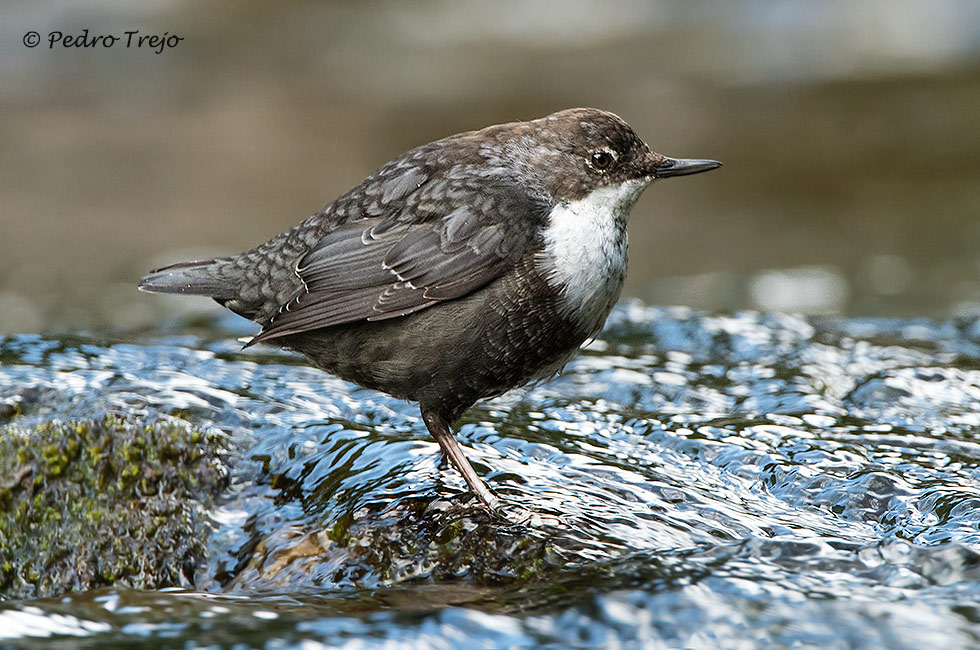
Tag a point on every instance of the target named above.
point(602, 160)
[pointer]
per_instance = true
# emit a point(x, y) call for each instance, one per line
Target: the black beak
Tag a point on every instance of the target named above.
point(682, 167)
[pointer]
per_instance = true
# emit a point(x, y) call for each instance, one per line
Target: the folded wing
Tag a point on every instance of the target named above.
point(375, 269)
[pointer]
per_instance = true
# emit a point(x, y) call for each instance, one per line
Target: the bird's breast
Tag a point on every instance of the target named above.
point(584, 257)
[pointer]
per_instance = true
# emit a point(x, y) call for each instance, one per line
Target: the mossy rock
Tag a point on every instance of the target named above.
point(413, 540)
point(115, 501)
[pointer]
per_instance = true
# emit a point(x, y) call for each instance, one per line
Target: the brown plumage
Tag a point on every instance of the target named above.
point(449, 274)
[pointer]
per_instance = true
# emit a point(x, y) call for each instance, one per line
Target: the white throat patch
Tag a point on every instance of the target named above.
point(585, 250)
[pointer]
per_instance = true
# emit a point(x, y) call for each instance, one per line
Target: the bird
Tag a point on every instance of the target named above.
point(459, 270)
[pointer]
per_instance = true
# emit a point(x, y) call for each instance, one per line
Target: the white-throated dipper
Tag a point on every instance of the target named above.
point(460, 270)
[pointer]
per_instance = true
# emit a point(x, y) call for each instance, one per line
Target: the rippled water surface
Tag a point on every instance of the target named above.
point(689, 480)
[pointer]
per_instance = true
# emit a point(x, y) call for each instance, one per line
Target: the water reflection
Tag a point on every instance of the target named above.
point(821, 471)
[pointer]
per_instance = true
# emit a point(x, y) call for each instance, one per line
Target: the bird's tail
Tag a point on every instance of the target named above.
point(194, 278)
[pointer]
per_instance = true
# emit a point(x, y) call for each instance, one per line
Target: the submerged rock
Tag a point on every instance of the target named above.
point(409, 541)
point(111, 501)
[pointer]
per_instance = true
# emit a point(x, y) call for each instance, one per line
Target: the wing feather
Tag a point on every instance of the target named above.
point(373, 269)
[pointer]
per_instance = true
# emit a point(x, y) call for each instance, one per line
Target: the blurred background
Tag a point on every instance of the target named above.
point(850, 133)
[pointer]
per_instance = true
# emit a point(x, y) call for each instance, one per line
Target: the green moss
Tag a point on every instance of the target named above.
point(111, 501)
point(418, 539)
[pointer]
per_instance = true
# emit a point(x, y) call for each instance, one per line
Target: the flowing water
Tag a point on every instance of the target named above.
point(689, 480)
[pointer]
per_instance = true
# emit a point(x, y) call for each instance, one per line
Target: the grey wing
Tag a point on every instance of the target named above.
point(374, 269)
